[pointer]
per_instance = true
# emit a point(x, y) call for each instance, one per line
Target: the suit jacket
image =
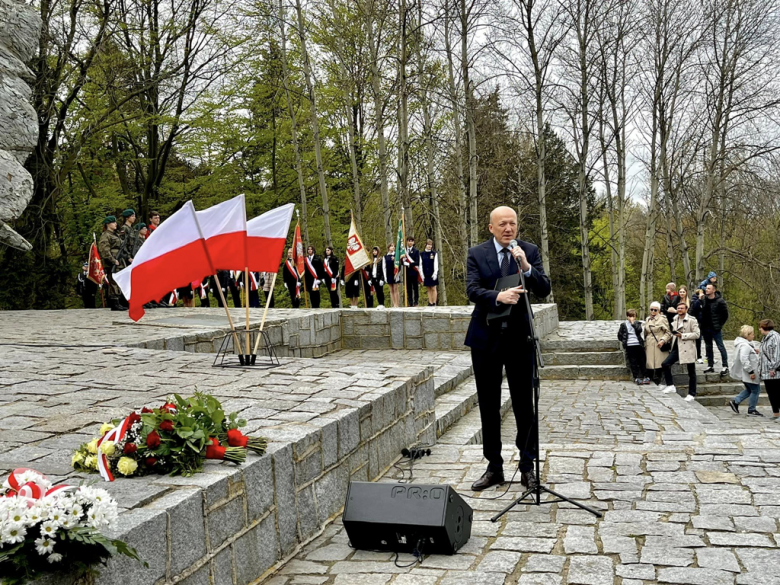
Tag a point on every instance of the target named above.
point(483, 271)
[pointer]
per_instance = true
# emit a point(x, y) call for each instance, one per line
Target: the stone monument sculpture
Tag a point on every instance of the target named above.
point(20, 29)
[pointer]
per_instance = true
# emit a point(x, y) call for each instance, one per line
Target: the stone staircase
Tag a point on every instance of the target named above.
point(712, 389)
point(596, 359)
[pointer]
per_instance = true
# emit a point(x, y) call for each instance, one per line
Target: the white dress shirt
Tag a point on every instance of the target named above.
point(499, 249)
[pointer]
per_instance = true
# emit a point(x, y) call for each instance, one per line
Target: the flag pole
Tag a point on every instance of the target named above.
point(227, 312)
point(402, 268)
point(246, 286)
point(305, 296)
point(265, 312)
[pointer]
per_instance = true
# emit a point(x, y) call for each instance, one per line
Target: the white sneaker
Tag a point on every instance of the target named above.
point(661, 385)
point(670, 390)
point(699, 361)
point(690, 398)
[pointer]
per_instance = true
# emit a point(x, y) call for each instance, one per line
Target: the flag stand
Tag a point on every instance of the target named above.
point(262, 322)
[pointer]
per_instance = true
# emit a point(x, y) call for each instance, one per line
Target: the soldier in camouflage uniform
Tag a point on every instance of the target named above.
point(129, 238)
point(108, 247)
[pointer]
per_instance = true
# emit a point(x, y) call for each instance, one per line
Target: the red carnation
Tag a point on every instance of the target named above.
point(166, 425)
point(168, 407)
point(236, 438)
point(133, 418)
point(153, 440)
point(130, 448)
point(146, 410)
point(215, 451)
point(151, 461)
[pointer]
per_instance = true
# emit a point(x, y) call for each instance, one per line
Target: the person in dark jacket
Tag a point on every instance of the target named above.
point(330, 264)
point(410, 258)
point(292, 280)
point(670, 302)
point(498, 345)
point(86, 288)
point(392, 278)
point(376, 268)
point(429, 261)
point(313, 273)
point(630, 335)
point(714, 314)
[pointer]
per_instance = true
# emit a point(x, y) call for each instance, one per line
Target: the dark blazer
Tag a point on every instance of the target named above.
point(623, 333)
point(482, 273)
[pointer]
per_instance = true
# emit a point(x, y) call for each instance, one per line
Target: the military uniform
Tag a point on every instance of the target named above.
point(108, 247)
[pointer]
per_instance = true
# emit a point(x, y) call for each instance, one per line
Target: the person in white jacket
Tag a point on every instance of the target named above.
point(745, 369)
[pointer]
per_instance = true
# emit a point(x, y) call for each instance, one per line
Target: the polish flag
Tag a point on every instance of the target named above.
point(356, 252)
point(177, 258)
point(223, 226)
point(266, 236)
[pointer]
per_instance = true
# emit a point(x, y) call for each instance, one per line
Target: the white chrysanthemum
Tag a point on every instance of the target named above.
point(17, 515)
point(49, 529)
point(75, 511)
point(44, 545)
point(54, 558)
point(36, 514)
point(14, 533)
point(57, 515)
point(30, 475)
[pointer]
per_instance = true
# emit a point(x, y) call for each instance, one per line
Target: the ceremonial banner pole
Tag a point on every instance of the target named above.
point(246, 286)
point(401, 267)
point(227, 312)
point(265, 313)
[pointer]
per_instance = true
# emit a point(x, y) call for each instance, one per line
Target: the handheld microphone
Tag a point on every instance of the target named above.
point(513, 244)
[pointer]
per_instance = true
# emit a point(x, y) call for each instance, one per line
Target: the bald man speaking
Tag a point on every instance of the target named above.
point(496, 345)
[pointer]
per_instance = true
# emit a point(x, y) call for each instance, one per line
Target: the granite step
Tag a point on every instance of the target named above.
point(584, 358)
point(452, 406)
point(450, 376)
point(583, 345)
point(581, 372)
point(468, 430)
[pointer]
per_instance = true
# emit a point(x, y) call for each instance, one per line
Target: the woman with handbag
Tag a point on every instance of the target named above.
point(657, 342)
point(746, 370)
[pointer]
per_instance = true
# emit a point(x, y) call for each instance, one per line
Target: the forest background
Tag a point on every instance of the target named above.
point(637, 140)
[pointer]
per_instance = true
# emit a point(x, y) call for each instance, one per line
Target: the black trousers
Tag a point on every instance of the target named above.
point(296, 301)
point(254, 299)
point(236, 292)
point(205, 301)
point(380, 294)
point(267, 293)
point(412, 289)
point(773, 391)
point(636, 359)
point(673, 358)
point(518, 359)
point(314, 298)
point(334, 297)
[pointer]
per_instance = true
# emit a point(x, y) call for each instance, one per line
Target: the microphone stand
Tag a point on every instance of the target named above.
point(536, 493)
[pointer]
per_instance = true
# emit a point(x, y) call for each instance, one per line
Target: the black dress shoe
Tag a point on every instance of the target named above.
point(528, 480)
point(488, 479)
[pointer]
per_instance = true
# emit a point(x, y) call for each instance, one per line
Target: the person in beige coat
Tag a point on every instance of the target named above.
point(685, 332)
point(656, 334)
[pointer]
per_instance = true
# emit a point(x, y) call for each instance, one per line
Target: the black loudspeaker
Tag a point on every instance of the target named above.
point(406, 517)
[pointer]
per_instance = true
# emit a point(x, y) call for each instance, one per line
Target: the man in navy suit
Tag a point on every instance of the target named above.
point(495, 346)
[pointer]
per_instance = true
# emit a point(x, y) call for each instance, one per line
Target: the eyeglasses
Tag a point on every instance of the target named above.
point(653, 310)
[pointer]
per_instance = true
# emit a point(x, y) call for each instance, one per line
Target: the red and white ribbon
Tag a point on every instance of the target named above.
point(174, 298)
point(116, 434)
point(31, 490)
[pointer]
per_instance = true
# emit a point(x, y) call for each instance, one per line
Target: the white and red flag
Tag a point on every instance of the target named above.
point(223, 226)
point(177, 258)
point(266, 236)
point(356, 252)
point(95, 271)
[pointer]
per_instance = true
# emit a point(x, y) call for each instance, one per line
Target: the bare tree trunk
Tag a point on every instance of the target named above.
point(453, 90)
point(613, 255)
point(293, 124)
point(315, 124)
point(379, 121)
point(403, 122)
point(357, 203)
point(470, 125)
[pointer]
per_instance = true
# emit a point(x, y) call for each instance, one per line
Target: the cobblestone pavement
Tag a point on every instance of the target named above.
point(690, 496)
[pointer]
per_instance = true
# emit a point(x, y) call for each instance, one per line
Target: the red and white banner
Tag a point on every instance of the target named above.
point(223, 226)
point(356, 252)
point(266, 236)
point(298, 255)
point(177, 258)
point(95, 271)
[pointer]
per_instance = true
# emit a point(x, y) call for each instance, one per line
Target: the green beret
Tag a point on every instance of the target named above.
point(128, 212)
point(109, 219)
point(140, 226)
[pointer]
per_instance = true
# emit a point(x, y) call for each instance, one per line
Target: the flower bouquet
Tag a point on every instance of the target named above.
point(45, 529)
point(175, 439)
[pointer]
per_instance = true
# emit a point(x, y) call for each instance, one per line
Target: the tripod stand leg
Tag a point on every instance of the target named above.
point(512, 505)
point(572, 502)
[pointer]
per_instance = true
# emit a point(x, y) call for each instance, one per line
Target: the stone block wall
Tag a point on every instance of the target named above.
point(437, 328)
point(232, 525)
